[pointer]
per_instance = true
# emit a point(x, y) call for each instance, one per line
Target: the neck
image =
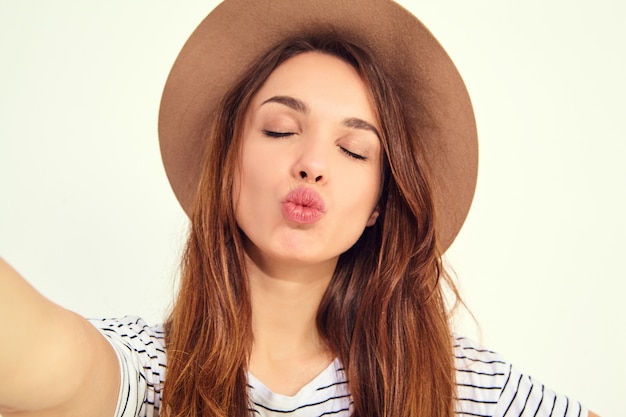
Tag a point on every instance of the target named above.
point(287, 350)
point(285, 300)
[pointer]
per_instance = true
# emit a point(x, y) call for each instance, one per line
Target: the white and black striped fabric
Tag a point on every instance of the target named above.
point(486, 384)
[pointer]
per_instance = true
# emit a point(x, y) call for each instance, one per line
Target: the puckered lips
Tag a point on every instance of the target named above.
point(303, 206)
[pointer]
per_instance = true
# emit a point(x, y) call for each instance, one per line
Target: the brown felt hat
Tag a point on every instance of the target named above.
point(237, 32)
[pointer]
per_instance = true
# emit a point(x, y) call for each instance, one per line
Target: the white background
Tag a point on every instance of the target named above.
point(86, 213)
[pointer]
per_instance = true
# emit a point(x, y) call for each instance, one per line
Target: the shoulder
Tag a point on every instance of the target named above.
point(142, 357)
point(133, 331)
point(488, 385)
point(145, 342)
point(481, 375)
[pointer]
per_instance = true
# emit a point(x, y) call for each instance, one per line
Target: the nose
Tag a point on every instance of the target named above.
point(311, 165)
point(311, 178)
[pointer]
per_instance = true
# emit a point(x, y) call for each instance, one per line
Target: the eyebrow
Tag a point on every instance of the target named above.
point(301, 107)
point(356, 123)
point(292, 103)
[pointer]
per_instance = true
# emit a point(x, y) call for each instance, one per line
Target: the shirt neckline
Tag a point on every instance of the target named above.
point(326, 377)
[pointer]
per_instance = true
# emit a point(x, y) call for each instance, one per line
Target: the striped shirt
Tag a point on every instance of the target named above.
point(486, 384)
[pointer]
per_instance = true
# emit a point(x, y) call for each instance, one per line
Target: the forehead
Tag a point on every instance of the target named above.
point(319, 79)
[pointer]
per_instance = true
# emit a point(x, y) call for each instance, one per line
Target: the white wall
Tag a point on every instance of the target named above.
point(87, 216)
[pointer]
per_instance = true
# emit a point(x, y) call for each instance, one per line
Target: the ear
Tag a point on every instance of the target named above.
point(372, 220)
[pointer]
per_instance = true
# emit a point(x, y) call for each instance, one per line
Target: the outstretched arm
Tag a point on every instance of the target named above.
point(52, 361)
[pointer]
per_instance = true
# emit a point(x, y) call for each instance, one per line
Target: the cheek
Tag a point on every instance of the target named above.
point(254, 173)
point(370, 187)
point(252, 188)
point(361, 199)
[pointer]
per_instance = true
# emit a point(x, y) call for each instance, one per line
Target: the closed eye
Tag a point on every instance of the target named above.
point(273, 134)
point(352, 154)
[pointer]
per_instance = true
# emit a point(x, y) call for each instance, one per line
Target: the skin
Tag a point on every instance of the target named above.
point(42, 344)
point(289, 264)
point(311, 125)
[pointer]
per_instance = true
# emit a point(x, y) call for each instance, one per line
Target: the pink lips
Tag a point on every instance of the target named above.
point(303, 205)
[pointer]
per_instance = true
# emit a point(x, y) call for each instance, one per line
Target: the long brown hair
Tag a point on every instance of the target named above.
point(383, 314)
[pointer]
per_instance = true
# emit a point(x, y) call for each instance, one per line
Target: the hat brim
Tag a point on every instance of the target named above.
point(237, 32)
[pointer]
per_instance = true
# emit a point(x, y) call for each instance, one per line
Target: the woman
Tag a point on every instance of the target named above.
point(333, 180)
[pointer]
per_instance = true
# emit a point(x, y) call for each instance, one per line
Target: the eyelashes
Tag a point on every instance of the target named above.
point(352, 154)
point(278, 135)
point(272, 134)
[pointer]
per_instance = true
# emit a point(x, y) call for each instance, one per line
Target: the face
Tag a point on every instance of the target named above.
point(310, 171)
